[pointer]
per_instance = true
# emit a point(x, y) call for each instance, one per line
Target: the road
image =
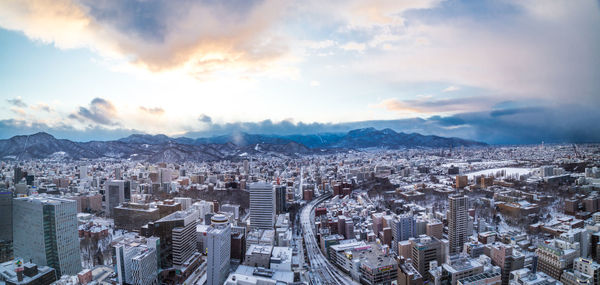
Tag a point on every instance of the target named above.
point(322, 272)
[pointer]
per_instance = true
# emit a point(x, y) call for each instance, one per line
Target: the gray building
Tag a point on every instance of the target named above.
point(458, 219)
point(46, 233)
point(262, 205)
point(113, 195)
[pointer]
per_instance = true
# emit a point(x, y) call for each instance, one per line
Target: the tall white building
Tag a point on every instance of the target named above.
point(45, 233)
point(458, 219)
point(83, 172)
point(218, 250)
point(136, 261)
point(262, 205)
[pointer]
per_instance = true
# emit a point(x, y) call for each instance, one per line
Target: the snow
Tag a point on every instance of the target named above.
point(508, 171)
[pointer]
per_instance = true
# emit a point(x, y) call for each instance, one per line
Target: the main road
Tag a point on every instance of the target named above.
point(321, 270)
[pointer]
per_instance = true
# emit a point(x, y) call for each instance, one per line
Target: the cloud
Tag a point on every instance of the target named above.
point(14, 127)
point(315, 83)
point(427, 105)
point(450, 89)
point(558, 124)
point(152, 111)
point(100, 111)
point(42, 107)
point(205, 119)
point(354, 46)
point(17, 102)
point(514, 53)
point(18, 111)
point(202, 37)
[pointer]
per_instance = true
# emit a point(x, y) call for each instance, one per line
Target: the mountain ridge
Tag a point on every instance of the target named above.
point(164, 148)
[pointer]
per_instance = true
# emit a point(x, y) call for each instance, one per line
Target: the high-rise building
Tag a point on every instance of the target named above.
point(17, 175)
point(136, 261)
point(556, 256)
point(177, 233)
point(458, 219)
point(46, 233)
point(262, 205)
point(6, 234)
point(425, 249)
point(507, 259)
point(83, 172)
point(218, 250)
point(280, 199)
point(114, 195)
point(403, 228)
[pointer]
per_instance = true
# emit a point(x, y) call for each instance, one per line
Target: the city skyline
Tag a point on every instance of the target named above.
point(499, 72)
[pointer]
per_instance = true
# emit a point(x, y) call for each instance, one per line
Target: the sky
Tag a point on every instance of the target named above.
point(502, 72)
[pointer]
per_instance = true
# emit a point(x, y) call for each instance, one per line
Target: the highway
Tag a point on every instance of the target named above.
point(322, 272)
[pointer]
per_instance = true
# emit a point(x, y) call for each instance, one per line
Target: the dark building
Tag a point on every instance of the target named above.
point(132, 216)
point(17, 175)
point(238, 246)
point(168, 207)
point(127, 190)
point(453, 170)
point(6, 234)
point(177, 233)
point(280, 199)
point(29, 179)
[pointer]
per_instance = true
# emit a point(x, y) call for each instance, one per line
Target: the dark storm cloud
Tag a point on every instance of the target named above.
point(100, 111)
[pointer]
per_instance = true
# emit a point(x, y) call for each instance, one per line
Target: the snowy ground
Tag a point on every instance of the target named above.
point(508, 171)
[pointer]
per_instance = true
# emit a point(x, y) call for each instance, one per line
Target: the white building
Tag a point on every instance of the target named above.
point(281, 258)
point(262, 205)
point(218, 250)
point(185, 202)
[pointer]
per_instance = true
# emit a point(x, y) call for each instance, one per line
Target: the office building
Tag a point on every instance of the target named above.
point(136, 260)
point(424, 250)
point(403, 228)
point(262, 205)
point(218, 250)
point(458, 219)
point(114, 195)
point(556, 256)
point(177, 233)
point(46, 233)
point(280, 199)
point(507, 259)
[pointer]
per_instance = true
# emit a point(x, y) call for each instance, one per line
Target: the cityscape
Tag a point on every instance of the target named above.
point(434, 142)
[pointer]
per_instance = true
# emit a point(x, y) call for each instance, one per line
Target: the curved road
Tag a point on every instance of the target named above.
point(321, 270)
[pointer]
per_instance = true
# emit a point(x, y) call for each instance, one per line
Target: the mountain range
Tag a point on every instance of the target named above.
point(156, 148)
